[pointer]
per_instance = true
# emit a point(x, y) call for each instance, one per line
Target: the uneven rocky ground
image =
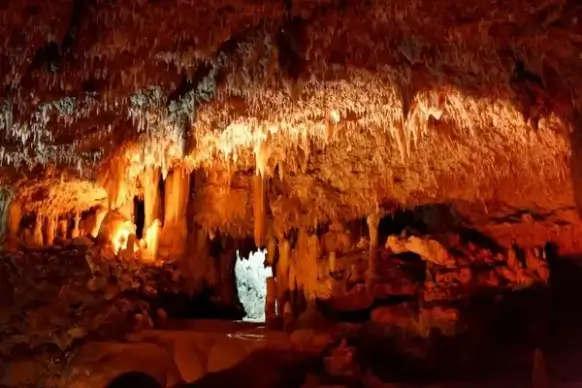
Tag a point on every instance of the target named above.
point(55, 299)
point(74, 315)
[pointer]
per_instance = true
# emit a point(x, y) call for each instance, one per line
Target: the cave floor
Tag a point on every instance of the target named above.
point(498, 353)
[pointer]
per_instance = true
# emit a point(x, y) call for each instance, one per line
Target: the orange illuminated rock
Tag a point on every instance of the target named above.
point(115, 230)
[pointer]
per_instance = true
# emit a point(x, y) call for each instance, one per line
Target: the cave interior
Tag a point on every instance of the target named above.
point(290, 193)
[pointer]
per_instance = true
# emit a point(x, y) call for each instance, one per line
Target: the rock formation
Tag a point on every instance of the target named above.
point(173, 133)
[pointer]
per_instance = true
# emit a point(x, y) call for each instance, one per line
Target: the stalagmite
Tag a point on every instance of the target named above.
point(151, 193)
point(38, 237)
point(282, 273)
point(373, 221)
point(50, 229)
point(100, 214)
point(271, 300)
point(76, 221)
point(63, 228)
point(259, 209)
point(175, 229)
point(151, 239)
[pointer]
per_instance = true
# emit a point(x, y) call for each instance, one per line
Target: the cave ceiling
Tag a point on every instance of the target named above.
point(346, 106)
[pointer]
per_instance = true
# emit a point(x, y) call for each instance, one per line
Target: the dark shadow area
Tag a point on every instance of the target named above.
point(134, 380)
point(474, 236)
point(139, 216)
point(200, 306)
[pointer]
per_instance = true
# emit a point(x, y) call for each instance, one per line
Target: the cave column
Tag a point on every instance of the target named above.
point(282, 274)
point(175, 229)
point(50, 230)
point(151, 193)
point(13, 218)
point(373, 221)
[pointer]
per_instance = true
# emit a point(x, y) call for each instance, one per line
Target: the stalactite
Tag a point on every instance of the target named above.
point(373, 221)
point(50, 229)
point(175, 229)
point(282, 273)
point(75, 232)
point(151, 193)
point(38, 237)
point(259, 209)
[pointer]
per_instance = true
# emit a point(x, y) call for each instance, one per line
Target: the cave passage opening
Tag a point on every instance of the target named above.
point(139, 216)
point(251, 275)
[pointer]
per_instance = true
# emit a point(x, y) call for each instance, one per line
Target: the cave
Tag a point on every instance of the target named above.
point(293, 193)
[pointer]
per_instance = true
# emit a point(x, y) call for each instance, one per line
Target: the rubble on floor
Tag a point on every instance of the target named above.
point(60, 297)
